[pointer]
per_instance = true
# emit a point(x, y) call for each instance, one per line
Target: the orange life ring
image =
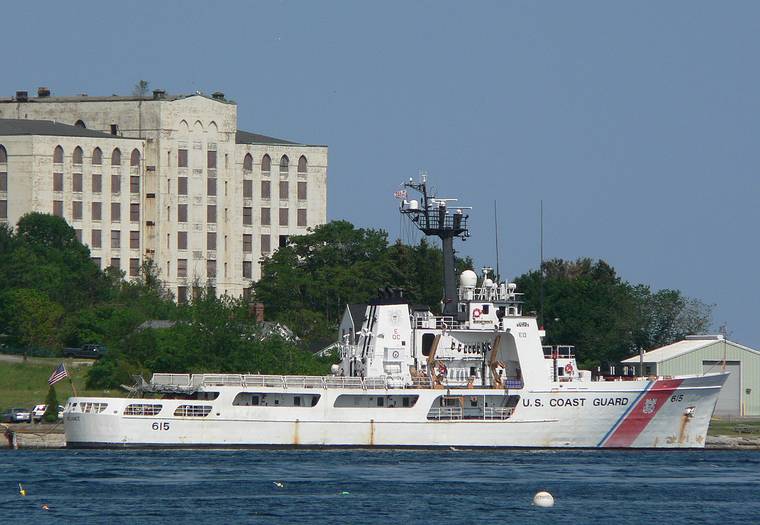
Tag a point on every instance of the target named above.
point(476, 313)
point(569, 368)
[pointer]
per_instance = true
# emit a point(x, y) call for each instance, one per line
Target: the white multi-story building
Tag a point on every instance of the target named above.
point(204, 200)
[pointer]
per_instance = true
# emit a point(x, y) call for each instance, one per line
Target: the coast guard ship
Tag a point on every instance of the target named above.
point(476, 375)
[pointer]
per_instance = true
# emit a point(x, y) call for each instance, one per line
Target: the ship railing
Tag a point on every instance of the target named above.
point(217, 380)
point(420, 382)
point(187, 381)
point(440, 322)
point(559, 352)
point(260, 380)
point(445, 413)
point(342, 382)
point(497, 412)
point(171, 379)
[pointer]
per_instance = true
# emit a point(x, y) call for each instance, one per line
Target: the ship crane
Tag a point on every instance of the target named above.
point(433, 216)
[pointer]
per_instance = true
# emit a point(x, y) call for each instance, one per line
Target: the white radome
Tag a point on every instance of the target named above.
point(468, 279)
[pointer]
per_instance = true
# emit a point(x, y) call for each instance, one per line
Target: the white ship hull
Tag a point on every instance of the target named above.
point(663, 413)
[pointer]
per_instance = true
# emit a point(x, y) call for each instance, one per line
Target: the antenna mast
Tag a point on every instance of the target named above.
point(541, 271)
point(432, 217)
point(496, 233)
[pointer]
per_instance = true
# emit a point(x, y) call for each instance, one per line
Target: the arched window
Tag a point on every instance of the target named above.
point(116, 157)
point(77, 157)
point(134, 159)
point(248, 162)
point(284, 162)
point(266, 163)
point(58, 155)
point(302, 164)
point(3, 155)
point(80, 124)
point(97, 157)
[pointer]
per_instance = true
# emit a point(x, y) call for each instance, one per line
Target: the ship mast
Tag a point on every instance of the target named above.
point(432, 217)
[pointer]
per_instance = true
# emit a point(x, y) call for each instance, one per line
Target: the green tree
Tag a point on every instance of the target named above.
point(588, 305)
point(307, 284)
point(51, 411)
point(666, 316)
point(31, 318)
point(321, 272)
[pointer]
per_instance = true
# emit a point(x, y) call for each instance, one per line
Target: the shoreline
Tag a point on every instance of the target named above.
point(44, 437)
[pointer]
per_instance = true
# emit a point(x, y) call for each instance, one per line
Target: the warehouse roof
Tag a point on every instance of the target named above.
point(13, 126)
point(690, 344)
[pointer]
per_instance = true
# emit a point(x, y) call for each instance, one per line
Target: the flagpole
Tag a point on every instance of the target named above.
point(71, 382)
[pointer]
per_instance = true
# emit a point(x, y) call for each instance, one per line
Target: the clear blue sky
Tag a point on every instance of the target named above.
point(637, 123)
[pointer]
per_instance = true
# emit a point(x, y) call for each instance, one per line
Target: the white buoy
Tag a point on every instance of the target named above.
point(543, 499)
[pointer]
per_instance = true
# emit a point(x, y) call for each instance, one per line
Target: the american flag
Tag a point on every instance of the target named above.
point(400, 194)
point(58, 374)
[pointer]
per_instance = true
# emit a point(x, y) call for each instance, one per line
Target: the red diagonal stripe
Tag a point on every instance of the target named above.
point(637, 419)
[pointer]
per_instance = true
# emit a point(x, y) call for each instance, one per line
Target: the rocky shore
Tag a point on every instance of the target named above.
point(733, 442)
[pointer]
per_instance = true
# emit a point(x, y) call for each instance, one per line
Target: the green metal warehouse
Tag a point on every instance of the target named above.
point(700, 354)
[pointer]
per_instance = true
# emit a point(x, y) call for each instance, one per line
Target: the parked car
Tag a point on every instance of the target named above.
point(39, 410)
point(17, 415)
point(89, 350)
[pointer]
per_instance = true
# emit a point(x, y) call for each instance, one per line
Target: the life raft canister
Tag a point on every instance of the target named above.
point(569, 368)
point(476, 313)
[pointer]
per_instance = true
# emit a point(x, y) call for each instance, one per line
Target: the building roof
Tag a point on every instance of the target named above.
point(158, 97)
point(12, 126)
point(246, 137)
point(690, 344)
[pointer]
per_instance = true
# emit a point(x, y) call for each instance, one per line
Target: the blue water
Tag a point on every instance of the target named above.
point(379, 487)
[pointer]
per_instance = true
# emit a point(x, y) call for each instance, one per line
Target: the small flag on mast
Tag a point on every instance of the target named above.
point(400, 194)
point(58, 374)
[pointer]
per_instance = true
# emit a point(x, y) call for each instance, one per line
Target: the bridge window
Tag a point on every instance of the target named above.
point(369, 401)
point(269, 399)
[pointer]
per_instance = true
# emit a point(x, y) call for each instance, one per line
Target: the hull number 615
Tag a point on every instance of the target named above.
point(158, 425)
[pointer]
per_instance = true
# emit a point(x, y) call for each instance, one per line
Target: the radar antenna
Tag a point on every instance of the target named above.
point(431, 215)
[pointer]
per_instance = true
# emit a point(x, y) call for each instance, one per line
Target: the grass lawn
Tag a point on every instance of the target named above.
point(730, 427)
point(25, 384)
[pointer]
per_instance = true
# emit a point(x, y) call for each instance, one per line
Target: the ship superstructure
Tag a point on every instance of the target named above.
point(474, 375)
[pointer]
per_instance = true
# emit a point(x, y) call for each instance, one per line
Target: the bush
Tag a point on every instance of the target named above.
point(51, 412)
